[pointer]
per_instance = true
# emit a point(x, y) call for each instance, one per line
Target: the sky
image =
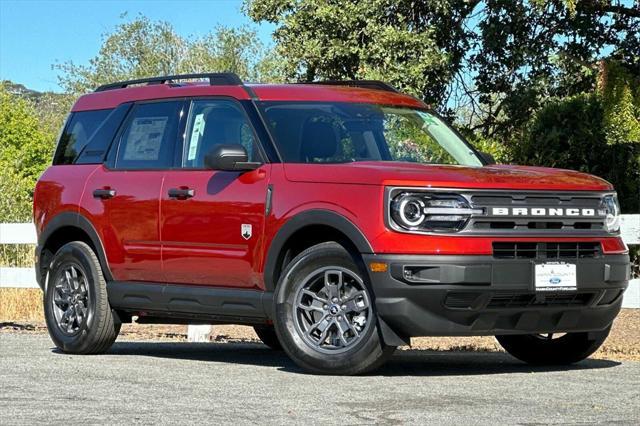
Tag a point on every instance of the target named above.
point(35, 34)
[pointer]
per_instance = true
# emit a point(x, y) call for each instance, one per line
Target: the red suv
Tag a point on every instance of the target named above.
point(337, 218)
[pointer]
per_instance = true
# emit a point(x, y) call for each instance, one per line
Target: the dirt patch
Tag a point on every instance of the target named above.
point(623, 343)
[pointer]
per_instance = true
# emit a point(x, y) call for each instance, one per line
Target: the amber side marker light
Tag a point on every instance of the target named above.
point(378, 267)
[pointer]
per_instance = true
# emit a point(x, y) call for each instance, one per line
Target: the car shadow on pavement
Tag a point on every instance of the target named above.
point(410, 362)
point(420, 362)
point(236, 353)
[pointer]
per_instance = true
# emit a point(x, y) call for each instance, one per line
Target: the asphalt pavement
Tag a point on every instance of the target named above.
point(224, 383)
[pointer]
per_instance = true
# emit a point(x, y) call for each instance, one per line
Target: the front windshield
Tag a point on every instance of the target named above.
point(322, 132)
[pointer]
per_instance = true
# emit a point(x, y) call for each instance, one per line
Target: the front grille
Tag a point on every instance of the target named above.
point(579, 250)
point(526, 225)
point(519, 300)
point(544, 224)
point(559, 250)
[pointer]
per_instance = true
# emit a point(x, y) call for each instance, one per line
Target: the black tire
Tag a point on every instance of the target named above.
point(267, 334)
point(96, 331)
point(540, 349)
point(365, 352)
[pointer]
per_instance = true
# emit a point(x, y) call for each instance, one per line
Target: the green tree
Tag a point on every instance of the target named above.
point(620, 93)
point(25, 151)
point(397, 41)
point(498, 60)
point(143, 48)
point(51, 108)
point(570, 133)
point(525, 52)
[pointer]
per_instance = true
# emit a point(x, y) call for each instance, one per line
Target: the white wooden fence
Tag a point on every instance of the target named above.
point(17, 233)
point(24, 233)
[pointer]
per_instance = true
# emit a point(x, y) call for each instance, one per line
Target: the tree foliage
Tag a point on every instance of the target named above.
point(620, 92)
point(397, 41)
point(525, 52)
point(570, 133)
point(144, 48)
point(25, 151)
point(497, 59)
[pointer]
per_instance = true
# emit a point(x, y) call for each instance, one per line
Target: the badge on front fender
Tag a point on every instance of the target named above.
point(246, 231)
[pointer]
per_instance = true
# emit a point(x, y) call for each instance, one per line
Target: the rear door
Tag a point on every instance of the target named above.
point(128, 189)
point(213, 233)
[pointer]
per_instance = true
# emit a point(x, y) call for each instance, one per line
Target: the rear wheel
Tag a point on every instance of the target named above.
point(325, 316)
point(267, 334)
point(553, 349)
point(76, 306)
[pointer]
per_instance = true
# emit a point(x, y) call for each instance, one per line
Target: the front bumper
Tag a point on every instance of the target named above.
point(482, 295)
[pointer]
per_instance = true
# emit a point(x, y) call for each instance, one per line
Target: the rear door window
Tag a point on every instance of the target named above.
point(149, 139)
point(81, 126)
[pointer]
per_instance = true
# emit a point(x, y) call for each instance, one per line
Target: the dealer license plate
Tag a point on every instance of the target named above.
point(555, 276)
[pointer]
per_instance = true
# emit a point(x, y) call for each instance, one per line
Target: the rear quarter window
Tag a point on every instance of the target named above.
point(79, 129)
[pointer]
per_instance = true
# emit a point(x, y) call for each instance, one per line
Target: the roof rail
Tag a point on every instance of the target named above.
point(364, 84)
point(215, 79)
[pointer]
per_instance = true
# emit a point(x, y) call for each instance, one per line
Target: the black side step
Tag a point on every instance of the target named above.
point(215, 304)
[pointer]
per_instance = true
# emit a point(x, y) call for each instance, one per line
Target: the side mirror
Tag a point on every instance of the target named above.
point(229, 158)
point(487, 158)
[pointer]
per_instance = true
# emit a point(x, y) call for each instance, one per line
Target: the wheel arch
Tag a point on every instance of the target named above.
point(63, 228)
point(306, 229)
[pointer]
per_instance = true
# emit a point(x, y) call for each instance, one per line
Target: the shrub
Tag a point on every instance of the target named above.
point(570, 133)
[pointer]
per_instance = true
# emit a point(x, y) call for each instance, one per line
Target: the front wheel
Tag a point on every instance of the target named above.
point(76, 307)
point(553, 349)
point(325, 316)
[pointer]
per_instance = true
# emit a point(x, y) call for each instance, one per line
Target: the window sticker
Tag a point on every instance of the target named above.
point(144, 139)
point(196, 134)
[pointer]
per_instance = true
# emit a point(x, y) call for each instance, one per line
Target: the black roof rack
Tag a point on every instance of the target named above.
point(215, 79)
point(364, 84)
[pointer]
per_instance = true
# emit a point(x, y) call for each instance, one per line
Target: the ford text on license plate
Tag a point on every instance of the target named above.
point(555, 276)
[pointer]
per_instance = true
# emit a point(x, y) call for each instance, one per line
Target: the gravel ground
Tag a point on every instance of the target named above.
point(245, 383)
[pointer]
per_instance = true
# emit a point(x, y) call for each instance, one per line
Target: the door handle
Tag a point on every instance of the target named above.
point(104, 193)
point(181, 193)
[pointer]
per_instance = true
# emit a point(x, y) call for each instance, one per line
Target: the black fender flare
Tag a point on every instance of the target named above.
point(76, 220)
point(307, 218)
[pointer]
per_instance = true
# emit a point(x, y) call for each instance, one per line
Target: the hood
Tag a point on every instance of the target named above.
point(412, 174)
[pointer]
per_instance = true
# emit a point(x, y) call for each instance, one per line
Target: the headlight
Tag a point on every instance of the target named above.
point(430, 212)
point(610, 209)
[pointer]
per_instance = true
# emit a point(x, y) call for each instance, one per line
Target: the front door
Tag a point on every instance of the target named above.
point(129, 187)
point(212, 222)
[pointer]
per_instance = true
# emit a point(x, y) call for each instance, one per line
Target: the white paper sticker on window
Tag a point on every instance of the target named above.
point(144, 139)
point(196, 133)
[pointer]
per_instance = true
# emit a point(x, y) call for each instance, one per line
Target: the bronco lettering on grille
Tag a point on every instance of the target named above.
point(541, 211)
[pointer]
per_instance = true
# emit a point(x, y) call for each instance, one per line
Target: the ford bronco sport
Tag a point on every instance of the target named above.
point(338, 219)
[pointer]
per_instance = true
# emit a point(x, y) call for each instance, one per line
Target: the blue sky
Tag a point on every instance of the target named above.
point(34, 34)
